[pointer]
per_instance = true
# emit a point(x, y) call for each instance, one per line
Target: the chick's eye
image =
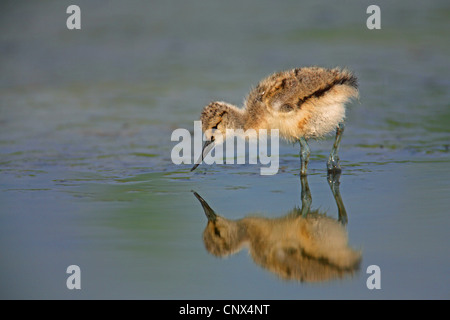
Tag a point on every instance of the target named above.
point(286, 108)
point(213, 132)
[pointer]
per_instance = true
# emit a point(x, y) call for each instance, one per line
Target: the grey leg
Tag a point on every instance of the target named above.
point(306, 196)
point(333, 181)
point(333, 165)
point(304, 156)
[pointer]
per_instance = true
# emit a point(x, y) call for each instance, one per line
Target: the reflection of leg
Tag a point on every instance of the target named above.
point(333, 162)
point(333, 181)
point(306, 196)
point(304, 156)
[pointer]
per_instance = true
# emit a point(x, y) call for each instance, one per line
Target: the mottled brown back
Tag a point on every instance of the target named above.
point(288, 90)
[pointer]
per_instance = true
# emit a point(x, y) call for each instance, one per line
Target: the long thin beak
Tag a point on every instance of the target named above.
point(207, 147)
point(210, 214)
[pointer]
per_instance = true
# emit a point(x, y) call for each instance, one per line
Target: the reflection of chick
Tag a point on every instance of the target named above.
point(311, 248)
point(302, 103)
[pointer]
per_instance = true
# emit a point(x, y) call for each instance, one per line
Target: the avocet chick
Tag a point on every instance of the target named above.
point(307, 247)
point(303, 103)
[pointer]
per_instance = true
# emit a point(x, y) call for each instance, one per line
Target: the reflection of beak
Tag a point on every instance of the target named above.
point(206, 149)
point(210, 214)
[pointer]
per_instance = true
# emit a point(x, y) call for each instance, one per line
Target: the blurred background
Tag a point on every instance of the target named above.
point(86, 118)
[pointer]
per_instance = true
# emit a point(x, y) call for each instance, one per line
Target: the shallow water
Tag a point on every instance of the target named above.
point(85, 123)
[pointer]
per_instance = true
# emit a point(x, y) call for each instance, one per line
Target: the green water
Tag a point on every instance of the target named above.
point(86, 117)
